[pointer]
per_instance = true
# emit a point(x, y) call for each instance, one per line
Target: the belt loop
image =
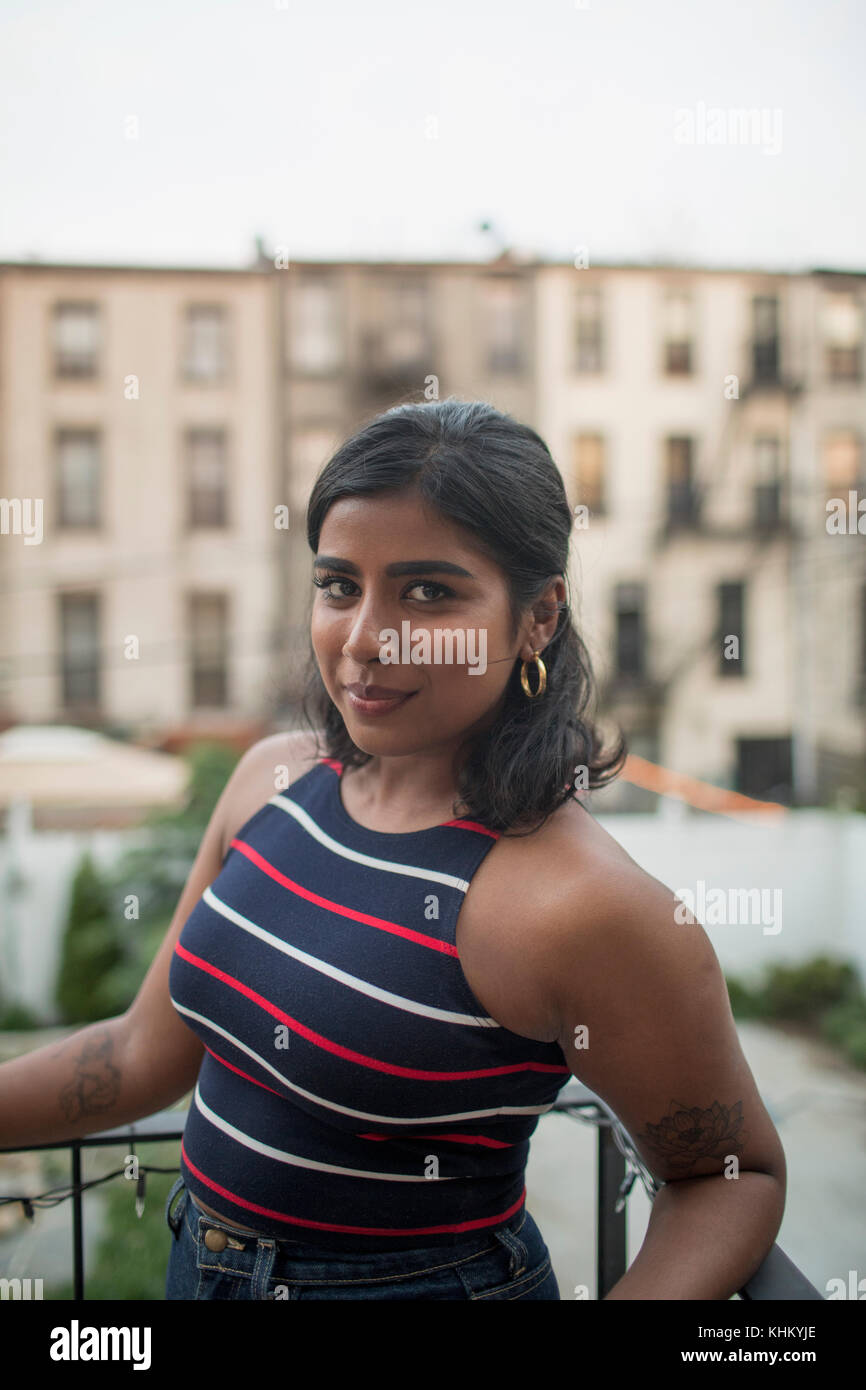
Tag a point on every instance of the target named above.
point(266, 1250)
point(175, 1220)
point(516, 1249)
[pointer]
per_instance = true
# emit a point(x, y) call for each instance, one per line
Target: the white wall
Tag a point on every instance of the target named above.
point(814, 857)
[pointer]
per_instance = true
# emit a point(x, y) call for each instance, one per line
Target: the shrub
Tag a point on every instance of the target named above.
point(91, 946)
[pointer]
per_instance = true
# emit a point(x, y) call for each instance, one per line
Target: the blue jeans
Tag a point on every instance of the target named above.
point(212, 1260)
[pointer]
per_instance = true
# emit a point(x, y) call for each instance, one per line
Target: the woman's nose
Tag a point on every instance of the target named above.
point(364, 643)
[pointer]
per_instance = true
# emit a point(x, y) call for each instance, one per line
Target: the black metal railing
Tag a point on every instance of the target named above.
point(777, 1278)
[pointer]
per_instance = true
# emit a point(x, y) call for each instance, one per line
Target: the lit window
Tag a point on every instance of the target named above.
point(842, 462)
point(589, 471)
point(842, 322)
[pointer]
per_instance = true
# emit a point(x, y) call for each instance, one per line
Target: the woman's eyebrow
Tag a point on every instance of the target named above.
point(399, 567)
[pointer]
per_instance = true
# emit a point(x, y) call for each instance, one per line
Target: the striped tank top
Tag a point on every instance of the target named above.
point(352, 1094)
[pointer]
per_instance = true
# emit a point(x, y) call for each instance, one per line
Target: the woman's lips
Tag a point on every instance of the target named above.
point(378, 705)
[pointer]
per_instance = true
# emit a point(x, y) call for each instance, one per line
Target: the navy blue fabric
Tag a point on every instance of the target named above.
point(353, 1093)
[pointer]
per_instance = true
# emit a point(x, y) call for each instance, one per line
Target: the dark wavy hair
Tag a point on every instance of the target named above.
point(494, 477)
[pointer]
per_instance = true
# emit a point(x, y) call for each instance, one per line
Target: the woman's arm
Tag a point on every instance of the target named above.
point(646, 1023)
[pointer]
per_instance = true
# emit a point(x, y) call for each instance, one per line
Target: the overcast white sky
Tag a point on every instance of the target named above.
point(381, 129)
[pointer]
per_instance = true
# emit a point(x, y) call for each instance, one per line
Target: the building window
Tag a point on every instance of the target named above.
point(76, 339)
point(842, 321)
point(78, 477)
point(768, 481)
point(403, 337)
point(205, 355)
point(678, 333)
point(503, 321)
point(629, 600)
point(682, 498)
point(206, 474)
point(589, 471)
point(765, 769)
point(314, 332)
point(590, 330)
point(842, 463)
point(732, 656)
point(208, 650)
point(79, 649)
point(765, 338)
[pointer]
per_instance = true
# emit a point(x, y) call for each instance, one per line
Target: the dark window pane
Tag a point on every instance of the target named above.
point(730, 601)
point(79, 649)
point(630, 637)
point(765, 769)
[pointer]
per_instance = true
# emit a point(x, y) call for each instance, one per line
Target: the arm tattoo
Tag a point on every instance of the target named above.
point(95, 1085)
point(684, 1136)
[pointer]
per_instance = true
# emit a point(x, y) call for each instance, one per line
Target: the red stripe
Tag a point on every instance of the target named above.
point(474, 825)
point(455, 1227)
point(244, 1074)
point(452, 1138)
point(358, 1057)
point(380, 922)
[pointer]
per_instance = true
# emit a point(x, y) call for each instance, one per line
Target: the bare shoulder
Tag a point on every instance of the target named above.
point(269, 765)
point(595, 901)
point(570, 860)
point(532, 900)
point(592, 878)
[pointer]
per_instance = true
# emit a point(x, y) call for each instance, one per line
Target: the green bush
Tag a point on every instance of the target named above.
point(17, 1018)
point(855, 1045)
point(806, 991)
point(824, 993)
point(91, 946)
point(746, 1001)
point(839, 1021)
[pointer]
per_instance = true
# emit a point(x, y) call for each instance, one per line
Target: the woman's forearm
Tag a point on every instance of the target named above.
point(706, 1237)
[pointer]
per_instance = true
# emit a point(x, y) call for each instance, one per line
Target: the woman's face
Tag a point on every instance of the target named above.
point(362, 537)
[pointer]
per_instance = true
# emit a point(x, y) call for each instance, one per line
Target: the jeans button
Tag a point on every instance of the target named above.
point(215, 1240)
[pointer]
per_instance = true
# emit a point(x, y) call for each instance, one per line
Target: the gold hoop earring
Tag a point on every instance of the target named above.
point(542, 677)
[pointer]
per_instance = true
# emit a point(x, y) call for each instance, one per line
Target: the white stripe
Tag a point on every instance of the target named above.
point(294, 1159)
point(362, 986)
point(285, 803)
point(347, 1110)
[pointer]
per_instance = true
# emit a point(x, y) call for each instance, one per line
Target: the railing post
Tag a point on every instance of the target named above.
point(77, 1223)
point(611, 1247)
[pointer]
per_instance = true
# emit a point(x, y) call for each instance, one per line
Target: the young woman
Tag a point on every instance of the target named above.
point(403, 934)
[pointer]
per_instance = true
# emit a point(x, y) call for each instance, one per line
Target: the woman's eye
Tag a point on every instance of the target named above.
point(428, 584)
point(326, 581)
point(325, 584)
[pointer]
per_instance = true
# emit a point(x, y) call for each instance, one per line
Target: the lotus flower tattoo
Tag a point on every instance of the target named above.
point(687, 1135)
